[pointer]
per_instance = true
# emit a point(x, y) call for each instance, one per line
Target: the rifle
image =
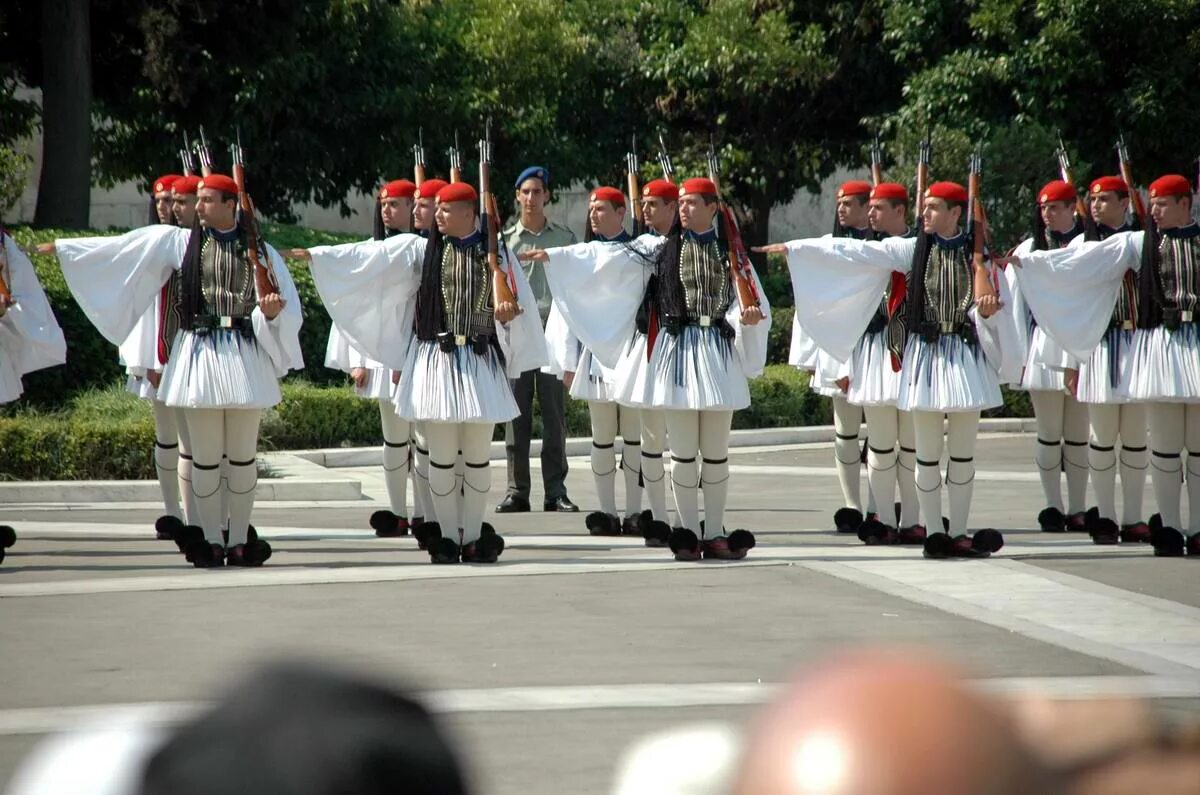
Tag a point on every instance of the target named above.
point(1064, 171)
point(264, 276)
point(204, 155)
point(876, 162)
point(739, 262)
point(977, 228)
point(637, 224)
point(1135, 195)
point(664, 160)
point(489, 221)
point(923, 154)
point(455, 156)
point(418, 151)
point(186, 158)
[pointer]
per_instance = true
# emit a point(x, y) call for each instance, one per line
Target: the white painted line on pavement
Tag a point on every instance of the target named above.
point(1148, 634)
point(42, 720)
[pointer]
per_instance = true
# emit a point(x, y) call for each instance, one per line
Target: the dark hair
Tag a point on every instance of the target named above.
point(430, 312)
point(154, 219)
point(379, 231)
point(914, 310)
point(296, 728)
point(1149, 281)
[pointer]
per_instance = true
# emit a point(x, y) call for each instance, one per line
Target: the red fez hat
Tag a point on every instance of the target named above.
point(855, 187)
point(890, 190)
point(218, 182)
point(185, 186)
point(430, 187)
point(457, 192)
point(661, 188)
point(948, 191)
point(1103, 184)
point(398, 189)
point(1056, 191)
point(698, 185)
point(607, 194)
point(164, 182)
point(1170, 185)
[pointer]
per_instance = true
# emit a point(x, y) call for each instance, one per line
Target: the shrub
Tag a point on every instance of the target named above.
point(311, 416)
point(780, 398)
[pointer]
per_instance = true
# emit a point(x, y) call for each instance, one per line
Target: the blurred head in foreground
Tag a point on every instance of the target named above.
point(885, 723)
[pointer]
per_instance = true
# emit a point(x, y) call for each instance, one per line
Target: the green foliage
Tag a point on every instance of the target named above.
point(14, 168)
point(319, 417)
point(779, 338)
point(779, 398)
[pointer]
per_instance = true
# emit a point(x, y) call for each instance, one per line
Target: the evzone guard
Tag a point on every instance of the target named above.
point(372, 380)
point(1079, 290)
point(951, 350)
point(447, 313)
point(707, 335)
point(30, 337)
point(239, 320)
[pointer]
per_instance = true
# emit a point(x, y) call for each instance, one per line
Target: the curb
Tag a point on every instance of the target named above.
point(335, 458)
point(147, 490)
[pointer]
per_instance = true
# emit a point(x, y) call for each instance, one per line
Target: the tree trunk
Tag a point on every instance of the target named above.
point(755, 230)
point(64, 190)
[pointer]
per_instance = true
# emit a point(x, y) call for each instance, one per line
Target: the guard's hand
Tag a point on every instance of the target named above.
point(507, 310)
point(533, 255)
point(272, 305)
point(395, 376)
point(770, 248)
point(154, 377)
point(1071, 381)
point(751, 315)
point(300, 253)
point(359, 376)
point(988, 305)
point(45, 248)
point(843, 384)
point(568, 379)
point(1007, 259)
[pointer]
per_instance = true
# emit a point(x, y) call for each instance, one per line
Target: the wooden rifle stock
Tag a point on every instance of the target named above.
point(636, 222)
point(1064, 172)
point(1135, 195)
point(739, 262)
point(876, 163)
point(979, 230)
point(502, 290)
point(264, 276)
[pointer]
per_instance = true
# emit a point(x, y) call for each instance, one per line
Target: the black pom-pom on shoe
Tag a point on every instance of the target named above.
point(8, 536)
point(847, 520)
point(684, 544)
point(443, 551)
point(165, 527)
point(1051, 520)
point(939, 546)
point(186, 536)
point(1168, 542)
point(1104, 532)
point(204, 555)
point(1156, 522)
point(657, 534)
point(599, 523)
point(987, 541)
point(873, 532)
point(485, 549)
point(388, 525)
point(427, 534)
point(631, 525)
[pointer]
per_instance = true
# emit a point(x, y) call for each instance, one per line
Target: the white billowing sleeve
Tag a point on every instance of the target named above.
point(369, 289)
point(1072, 291)
point(337, 350)
point(803, 351)
point(139, 352)
point(1003, 347)
point(116, 279)
point(522, 339)
point(279, 337)
point(561, 345)
point(598, 287)
point(29, 333)
point(750, 342)
point(838, 284)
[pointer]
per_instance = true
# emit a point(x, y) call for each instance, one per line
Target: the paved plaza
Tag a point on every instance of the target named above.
point(548, 665)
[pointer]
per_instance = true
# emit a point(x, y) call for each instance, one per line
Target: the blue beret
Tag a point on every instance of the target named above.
point(534, 172)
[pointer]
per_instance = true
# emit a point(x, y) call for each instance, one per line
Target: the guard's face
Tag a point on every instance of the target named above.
point(695, 213)
point(659, 214)
point(1170, 212)
point(885, 218)
point(215, 212)
point(940, 218)
point(456, 219)
point(395, 212)
point(1057, 216)
point(852, 212)
point(605, 219)
point(162, 206)
point(423, 212)
point(184, 208)
point(1108, 208)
